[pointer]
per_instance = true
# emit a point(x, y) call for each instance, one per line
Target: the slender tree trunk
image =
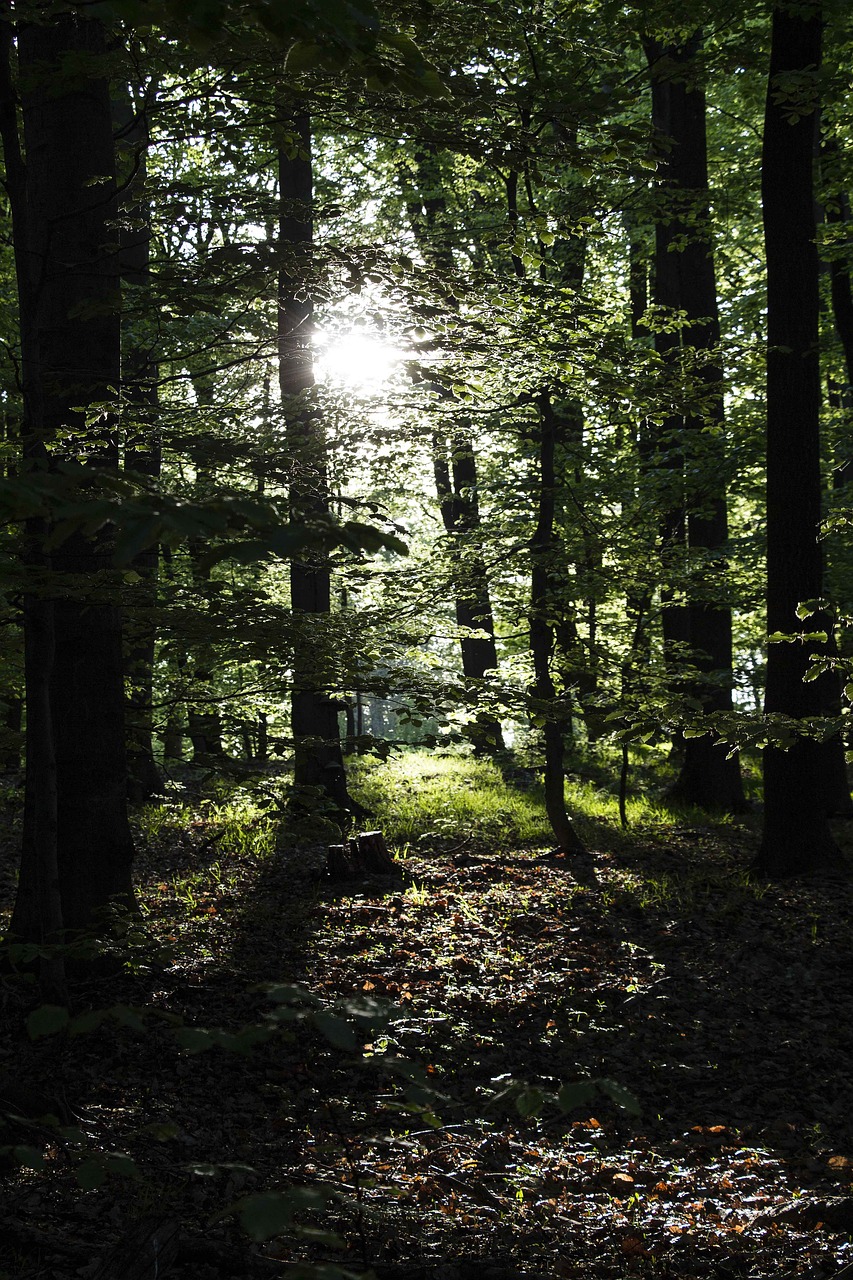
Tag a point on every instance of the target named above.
point(796, 838)
point(318, 757)
point(543, 550)
point(685, 280)
point(62, 227)
point(456, 486)
point(143, 453)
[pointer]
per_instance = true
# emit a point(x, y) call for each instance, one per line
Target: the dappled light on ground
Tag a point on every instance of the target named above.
point(722, 1007)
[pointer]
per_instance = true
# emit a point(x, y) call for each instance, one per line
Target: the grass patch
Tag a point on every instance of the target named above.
point(445, 798)
point(418, 795)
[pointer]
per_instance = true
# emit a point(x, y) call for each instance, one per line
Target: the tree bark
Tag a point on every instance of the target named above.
point(685, 280)
point(143, 450)
point(796, 838)
point(68, 290)
point(319, 773)
point(542, 548)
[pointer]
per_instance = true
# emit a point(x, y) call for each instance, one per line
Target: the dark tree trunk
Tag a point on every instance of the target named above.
point(204, 720)
point(796, 838)
point(62, 226)
point(263, 737)
point(456, 487)
point(685, 280)
point(837, 212)
point(543, 550)
point(318, 758)
point(143, 451)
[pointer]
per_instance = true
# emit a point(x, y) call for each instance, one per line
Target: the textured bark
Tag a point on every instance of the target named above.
point(543, 548)
point(68, 288)
point(143, 451)
point(456, 487)
point(796, 838)
point(685, 280)
point(318, 757)
point(837, 798)
point(204, 721)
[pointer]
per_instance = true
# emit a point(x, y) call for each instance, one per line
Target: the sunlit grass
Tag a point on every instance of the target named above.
point(237, 825)
point(450, 797)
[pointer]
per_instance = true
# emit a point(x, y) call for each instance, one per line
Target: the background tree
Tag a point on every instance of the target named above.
point(796, 837)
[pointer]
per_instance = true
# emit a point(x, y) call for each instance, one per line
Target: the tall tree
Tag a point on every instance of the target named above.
point(697, 521)
point(318, 755)
point(796, 838)
point(544, 553)
point(143, 445)
point(64, 209)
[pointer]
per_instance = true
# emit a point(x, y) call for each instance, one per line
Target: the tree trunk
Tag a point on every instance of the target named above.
point(796, 838)
point(837, 212)
point(68, 290)
point(685, 280)
point(543, 547)
point(319, 773)
point(143, 452)
point(456, 487)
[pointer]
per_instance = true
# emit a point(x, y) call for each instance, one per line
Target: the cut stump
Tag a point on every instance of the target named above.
point(366, 855)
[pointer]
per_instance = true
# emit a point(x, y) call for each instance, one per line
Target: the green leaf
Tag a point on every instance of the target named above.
point(576, 1094)
point(47, 1020)
point(90, 1174)
point(621, 1096)
point(269, 1213)
point(89, 1021)
point(28, 1157)
point(338, 1032)
point(529, 1101)
point(194, 1039)
point(121, 1164)
point(302, 56)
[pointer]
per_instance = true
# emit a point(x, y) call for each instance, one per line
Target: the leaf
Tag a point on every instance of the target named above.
point(194, 1039)
point(85, 1022)
point(620, 1095)
point(338, 1032)
point(268, 1213)
point(529, 1102)
point(90, 1174)
point(576, 1094)
point(47, 1020)
point(302, 56)
point(121, 1164)
point(27, 1157)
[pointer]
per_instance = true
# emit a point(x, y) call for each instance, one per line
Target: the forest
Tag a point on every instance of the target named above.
point(426, 661)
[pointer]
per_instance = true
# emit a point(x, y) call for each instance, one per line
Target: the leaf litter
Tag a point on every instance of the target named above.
point(723, 1008)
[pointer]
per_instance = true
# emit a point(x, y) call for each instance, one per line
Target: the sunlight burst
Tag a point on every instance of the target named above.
point(361, 362)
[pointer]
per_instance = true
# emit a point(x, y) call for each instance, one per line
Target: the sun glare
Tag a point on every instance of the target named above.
point(360, 362)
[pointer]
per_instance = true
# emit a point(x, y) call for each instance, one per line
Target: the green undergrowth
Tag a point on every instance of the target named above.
point(424, 797)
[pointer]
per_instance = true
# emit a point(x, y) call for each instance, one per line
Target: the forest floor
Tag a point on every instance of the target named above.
point(723, 1007)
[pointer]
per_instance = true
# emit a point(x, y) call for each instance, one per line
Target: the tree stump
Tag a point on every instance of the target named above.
point(366, 855)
